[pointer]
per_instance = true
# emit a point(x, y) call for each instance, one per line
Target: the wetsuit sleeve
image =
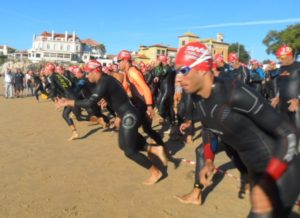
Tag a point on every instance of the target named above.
point(97, 94)
point(78, 86)
point(245, 75)
point(150, 77)
point(189, 107)
point(250, 103)
point(142, 87)
point(52, 88)
point(208, 142)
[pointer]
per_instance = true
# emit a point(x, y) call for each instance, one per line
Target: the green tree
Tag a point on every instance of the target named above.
point(3, 59)
point(289, 36)
point(241, 51)
point(101, 47)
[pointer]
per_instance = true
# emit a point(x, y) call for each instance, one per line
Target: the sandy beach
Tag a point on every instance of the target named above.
point(44, 175)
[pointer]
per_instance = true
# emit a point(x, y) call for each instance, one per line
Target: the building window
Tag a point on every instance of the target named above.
point(77, 48)
point(61, 47)
point(158, 51)
point(68, 47)
point(53, 55)
point(46, 55)
point(183, 43)
point(48, 46)
point(38, 55)
point(67, 55)
point(222, 53)
point(60, 55)
point(54, 46)
point(163, 52)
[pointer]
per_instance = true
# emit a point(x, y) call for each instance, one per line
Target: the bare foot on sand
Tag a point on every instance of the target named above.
point(160, 153)
point(102, 123)
point(93, 119)
point(155, 175)
point(75, 135)
point(193, 197)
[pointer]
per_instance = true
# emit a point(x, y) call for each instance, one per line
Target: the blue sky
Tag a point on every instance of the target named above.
point(128, 24)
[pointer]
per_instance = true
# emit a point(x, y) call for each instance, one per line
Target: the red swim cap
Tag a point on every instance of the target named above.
point(124, 55)
point(93, 65)
point(254, 62)
point(75, 69)
point(194, 55)
point(284, 50)
point(233, 57)
point(50, 67)
point(219, 58)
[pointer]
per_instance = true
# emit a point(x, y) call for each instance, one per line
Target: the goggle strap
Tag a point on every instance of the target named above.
point(201, 59)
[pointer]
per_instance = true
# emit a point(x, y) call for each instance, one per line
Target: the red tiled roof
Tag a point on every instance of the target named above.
point(22, 52)
point(172, 49)
point(158, 45)
point(57, 35)
point(190, 34)
point(90, 42)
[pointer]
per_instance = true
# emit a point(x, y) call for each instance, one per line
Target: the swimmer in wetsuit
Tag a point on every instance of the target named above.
point(272, 75)
point(256, 77)
point(266, 142)
point(141, 95)
point(289, 85)
point(166, 77)
point(222, 67)
point(239, 71)
point(83, 89)
point(61, 86)
point(130, 141)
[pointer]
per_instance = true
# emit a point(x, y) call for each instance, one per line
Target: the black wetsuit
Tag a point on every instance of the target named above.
point(190, 112)
point(40, 87)
point(272, 84)
point(256, 80)
point(61, 86)
point(130, 141)
point(167, 89)
point(83, 90)
point(242, 74)
point(186, 111)
point(289, 88)
point(140, 103)
point(154, 86)
point(225, 71)
point(245, 121)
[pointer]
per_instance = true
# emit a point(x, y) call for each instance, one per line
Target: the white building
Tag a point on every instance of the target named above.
point(57, 47)
point(5, 50)
point(90, 48)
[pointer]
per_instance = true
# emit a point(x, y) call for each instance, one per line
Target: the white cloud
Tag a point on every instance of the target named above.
point(247, 23)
